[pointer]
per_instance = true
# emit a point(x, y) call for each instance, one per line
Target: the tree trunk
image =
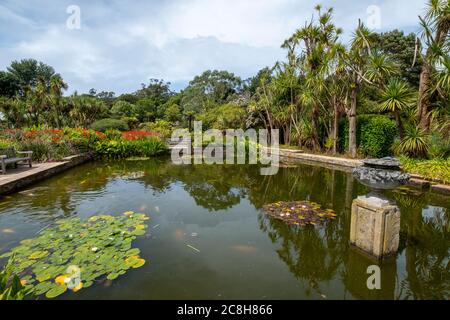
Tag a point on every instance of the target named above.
point(352, 148)
point(424, 101)
point(190, 123)
point(315, 129)
point(335, 127)
point(398, 119)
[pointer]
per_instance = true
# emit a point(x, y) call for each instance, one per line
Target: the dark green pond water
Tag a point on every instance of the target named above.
point(243, 253)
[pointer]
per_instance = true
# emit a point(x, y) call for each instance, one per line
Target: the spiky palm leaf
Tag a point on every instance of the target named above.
point(415, 142)
point(396, 96)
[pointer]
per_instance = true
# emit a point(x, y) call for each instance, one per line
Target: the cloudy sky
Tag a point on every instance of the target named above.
point(122, 43)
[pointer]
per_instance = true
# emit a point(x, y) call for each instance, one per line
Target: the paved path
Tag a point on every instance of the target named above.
point(24, 171)
point(16, 179)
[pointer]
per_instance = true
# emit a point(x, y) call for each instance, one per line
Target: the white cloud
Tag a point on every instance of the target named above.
point(122, 44)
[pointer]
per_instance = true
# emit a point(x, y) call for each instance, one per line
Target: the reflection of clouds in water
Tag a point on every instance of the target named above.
point(430, 212)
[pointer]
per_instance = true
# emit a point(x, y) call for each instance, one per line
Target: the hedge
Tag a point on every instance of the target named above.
point(110, 124)
point(375, 135)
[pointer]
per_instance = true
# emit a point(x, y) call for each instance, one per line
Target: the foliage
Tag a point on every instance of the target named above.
point(439, 146)
point(209, 89)
point(415, 142)
point(306, 95)
point(28, 72)
point(123, 109)
point(55, 144)
point(11, 288)
point(116, 149)
point(226, 116)
point(375, 135)
point(396, 96)
point(74, 253)
point(161, 127)
point(109, 124)
point(402, 49)
point(430, 169)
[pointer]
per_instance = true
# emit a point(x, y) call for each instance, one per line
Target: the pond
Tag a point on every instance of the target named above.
point(209, 239)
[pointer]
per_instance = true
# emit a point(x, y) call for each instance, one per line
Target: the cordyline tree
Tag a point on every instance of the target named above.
point(435, 34)
point(365, 67)
point(318, 40)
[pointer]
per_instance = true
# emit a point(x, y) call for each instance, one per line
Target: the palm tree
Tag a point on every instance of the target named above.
point(436, 29)
point(318, 39)
point(357, 60)
point(396, 98)
point(415, 142)
point(365, 67)
point(57, 85)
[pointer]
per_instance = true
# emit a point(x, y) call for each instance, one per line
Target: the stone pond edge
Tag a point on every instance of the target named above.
point(40, 175)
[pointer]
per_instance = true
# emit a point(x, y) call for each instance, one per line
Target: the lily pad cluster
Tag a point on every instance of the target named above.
point(300, 213)
point(75, 253)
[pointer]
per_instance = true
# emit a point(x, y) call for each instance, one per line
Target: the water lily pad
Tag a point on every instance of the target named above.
point(56, 290)
point(98, 247)
point(112, 276)
point(300, 213)
point(38, 255)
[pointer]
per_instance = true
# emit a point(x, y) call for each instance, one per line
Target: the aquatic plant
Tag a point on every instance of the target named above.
point(300, 213)
point(75, 253)
point(11, 287)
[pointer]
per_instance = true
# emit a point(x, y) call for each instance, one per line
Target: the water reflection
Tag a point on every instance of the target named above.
point(212, 197)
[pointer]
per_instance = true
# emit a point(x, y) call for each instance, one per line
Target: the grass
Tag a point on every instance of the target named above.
point(438, 169)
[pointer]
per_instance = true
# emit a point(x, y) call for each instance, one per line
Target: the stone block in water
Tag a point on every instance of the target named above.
point(375, 226)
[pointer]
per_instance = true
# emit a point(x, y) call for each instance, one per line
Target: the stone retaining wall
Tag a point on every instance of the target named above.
point(294, 154)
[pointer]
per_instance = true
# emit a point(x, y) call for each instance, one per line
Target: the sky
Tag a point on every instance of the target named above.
point(116, 45)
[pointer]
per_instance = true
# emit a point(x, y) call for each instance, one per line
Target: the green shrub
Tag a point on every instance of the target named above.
point(11, 287)
point(113, 134)
point(160, 126)
point(439, 146)
point(41, 149)
point(116, 149)
point(149, 147)
point(5, 144)
point(375, 135)
point(110, 124)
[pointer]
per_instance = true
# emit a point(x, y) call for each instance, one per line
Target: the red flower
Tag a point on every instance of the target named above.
point(136, 135)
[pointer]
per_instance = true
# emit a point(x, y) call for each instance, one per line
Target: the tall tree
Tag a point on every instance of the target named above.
point(317, 39)
point(402, 49)
point(57, 86)
point(435, 34)
point(365, 67)
point(9, 86)
point(27, 73)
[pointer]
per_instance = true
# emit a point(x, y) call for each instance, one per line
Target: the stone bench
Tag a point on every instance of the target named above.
point(10, 156)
